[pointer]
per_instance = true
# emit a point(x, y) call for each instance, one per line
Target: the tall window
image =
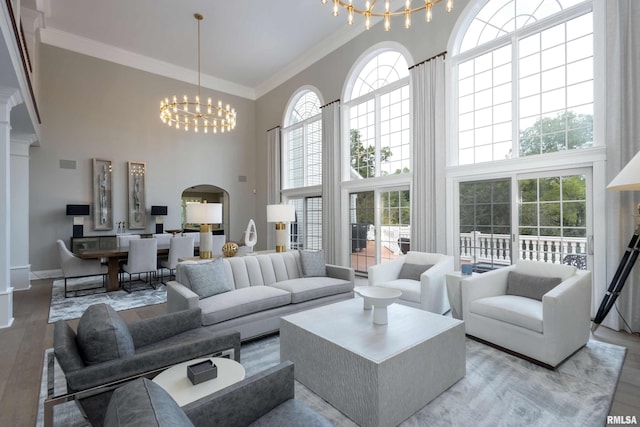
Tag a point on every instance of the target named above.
point(302, 168)
point(377, 123)
point(303, 142)
point(378, 117)
point(525, 80)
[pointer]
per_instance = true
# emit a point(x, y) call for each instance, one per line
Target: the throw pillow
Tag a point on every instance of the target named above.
point(412, 271)
point(103, 335)
point(144, 403)
point(208, 279)
point(313, 263)
point(529, 286)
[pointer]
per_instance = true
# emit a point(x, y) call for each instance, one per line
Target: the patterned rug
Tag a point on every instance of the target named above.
point(497, 390)
point(73, 307)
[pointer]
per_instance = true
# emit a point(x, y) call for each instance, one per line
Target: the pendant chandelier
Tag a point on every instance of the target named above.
point(192, 114)
point(368, 12)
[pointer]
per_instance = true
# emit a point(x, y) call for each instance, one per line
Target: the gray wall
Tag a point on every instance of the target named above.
point(93, 108)
point(96, 109)
point(423, 40)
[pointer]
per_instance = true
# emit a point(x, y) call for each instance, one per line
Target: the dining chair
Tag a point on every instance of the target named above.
point(142, 258)
point(74, 267)
point(179, 247)
point(123, 240)
point(162, 238)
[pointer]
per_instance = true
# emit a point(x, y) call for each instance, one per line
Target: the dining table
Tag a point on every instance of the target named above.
point(113, 257)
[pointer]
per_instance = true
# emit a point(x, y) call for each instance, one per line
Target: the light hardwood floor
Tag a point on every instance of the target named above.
point(22, 350)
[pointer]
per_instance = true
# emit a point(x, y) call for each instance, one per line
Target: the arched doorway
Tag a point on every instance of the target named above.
point(211, 194)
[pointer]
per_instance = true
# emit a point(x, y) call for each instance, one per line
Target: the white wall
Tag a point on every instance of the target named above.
point(96, 109)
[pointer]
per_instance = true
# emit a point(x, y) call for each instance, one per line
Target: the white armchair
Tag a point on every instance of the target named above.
point(429, 292)
point(547, 330)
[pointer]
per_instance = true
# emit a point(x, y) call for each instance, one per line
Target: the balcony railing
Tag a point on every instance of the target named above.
point(496, 248)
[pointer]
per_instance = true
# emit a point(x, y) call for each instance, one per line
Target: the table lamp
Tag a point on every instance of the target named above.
point(205, 214)
point(159, 212)
point(281, 214)
point(628, 179)
point(78, 212)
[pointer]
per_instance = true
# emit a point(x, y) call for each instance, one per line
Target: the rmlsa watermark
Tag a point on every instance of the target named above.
point(622, 419)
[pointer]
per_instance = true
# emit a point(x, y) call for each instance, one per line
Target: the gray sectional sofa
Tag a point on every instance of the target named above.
point(264, 399)
point(250, 293)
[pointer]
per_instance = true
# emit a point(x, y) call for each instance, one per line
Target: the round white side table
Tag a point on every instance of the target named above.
point(175, 381)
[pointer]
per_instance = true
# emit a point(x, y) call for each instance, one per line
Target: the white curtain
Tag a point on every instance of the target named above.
point(273, 177)
point(428, 195)
point(623, 141)
point(331, 181)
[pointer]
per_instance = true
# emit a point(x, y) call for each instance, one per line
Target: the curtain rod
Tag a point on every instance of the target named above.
point(275, 127)
point(329, 103)
point(427, 60)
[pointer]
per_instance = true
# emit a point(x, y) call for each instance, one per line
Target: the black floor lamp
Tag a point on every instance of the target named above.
point(627, 180)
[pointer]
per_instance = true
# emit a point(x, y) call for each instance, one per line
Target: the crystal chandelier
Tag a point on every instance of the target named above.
point(188, 113)
point(368, 12)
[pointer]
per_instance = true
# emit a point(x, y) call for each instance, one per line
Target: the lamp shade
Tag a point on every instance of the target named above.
point(281, 213)
point(77, 210)
point(628, 179)
point(204, 213)
point(158, 210)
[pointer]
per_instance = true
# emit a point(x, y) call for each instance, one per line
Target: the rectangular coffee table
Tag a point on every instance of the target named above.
point(377, 375)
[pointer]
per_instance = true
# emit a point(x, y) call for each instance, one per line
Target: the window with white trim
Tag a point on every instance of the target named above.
point(302, 136)
point(378, 117)
point(525, 80)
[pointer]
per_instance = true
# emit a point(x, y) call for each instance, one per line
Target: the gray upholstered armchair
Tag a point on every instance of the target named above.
point(105, 352)
point(264, 399)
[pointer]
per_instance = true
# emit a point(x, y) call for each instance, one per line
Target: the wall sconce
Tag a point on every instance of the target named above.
point(78, 212)
point(281, 214)
point(205, 214)
point(159, 212)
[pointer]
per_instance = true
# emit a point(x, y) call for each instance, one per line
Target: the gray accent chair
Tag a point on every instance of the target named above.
point(136, 349)
point(264, 399)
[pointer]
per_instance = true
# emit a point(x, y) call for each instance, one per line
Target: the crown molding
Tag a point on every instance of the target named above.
point(117, 55)
point(312, 56)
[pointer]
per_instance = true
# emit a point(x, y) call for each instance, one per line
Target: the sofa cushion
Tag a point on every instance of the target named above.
point(208, 279)
point(313, 263)
point(529, 286)
point(292, 413)
point(413, 271)
point(103, 335)
point(144, 403)
point(519, 311)
point(305, 289)
point(241, 302)
point(424, 258)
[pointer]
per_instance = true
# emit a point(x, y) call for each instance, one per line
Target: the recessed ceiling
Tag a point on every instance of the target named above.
point(255, 44)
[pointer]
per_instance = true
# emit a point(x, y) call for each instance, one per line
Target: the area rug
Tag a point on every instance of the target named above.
point(73, 307)
point(497, 390)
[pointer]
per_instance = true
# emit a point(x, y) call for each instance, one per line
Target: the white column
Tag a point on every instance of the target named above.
point(8, 99)
point(20, 266)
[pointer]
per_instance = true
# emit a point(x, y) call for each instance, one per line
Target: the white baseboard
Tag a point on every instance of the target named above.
point(6, 308)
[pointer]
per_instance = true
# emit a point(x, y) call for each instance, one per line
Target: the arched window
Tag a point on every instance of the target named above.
point(378, 116)
point(525, 80)
point(302, 167)
point(302, 137)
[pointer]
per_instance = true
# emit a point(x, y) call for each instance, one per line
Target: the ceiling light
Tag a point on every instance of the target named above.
point(367, 11)
point(186, 113)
